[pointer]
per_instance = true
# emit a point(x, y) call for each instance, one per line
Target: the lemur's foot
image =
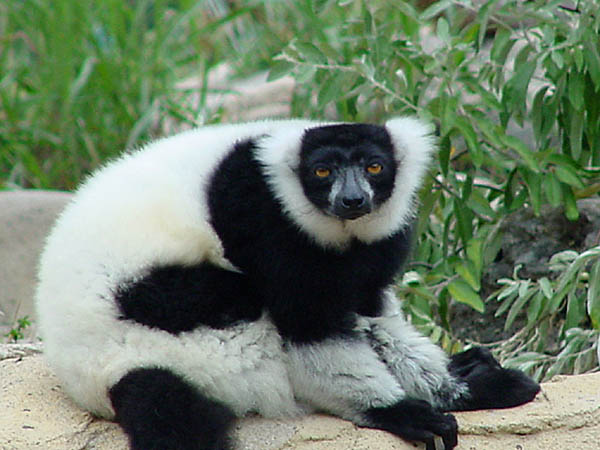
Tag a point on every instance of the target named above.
point(490, 385)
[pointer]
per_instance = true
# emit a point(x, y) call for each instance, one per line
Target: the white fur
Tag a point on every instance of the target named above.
point(413, 146)
point(149, 207)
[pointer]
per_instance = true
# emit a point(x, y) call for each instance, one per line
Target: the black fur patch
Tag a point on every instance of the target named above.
point(310, 292)
point(415, 420)
point(347, 136)
point(177, 298)
point(158, 410)
point(336, 147)
point(490, 385)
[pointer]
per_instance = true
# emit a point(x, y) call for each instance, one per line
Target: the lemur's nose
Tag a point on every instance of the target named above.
point(353, 202)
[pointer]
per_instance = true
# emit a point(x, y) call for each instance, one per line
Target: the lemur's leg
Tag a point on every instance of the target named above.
point(467, 381)
point(345, 377)
point(419, 366)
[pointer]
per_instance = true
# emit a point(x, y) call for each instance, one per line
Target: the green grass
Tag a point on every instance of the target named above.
point(81, 81)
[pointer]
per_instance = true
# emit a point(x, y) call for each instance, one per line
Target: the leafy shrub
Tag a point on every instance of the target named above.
point(561, 306)
point(513, 88)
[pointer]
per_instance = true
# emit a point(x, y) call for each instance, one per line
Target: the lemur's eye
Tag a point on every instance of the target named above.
point(322, 172)
point(374, 168)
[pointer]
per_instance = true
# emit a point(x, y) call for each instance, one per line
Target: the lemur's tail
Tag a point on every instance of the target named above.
point(158, 409)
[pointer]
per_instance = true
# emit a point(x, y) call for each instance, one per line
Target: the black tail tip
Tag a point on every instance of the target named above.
point(158, 409)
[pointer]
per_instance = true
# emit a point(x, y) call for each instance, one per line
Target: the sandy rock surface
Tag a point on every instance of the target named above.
point(36, 414)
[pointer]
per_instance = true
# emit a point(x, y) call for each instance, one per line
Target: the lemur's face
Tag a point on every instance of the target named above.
point(347, 172)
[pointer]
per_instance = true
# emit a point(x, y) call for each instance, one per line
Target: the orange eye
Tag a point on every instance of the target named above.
point(374, 169)
point(322, 172)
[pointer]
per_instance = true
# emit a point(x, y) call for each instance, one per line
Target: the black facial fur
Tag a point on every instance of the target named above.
point(347, 152)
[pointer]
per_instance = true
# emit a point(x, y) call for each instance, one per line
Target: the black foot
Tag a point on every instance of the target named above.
point(490, 385)
point(159, 410)
point(415, 420)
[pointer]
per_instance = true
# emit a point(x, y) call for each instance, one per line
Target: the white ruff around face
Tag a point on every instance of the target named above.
point(413, 146)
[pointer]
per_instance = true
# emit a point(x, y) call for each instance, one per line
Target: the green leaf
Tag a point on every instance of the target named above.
point(493, 242)
point(558, 59)
point(533, 182)
point(523, 151)
point(470, 136)
point(576, 132)
point(575, 311)
point(330, 90)
point(568, 176)
point(480, 205)
point(502, 46)
point(462, 292)
point(546, 287)
point(524, 295)
point(562, 160)
point(507, 301)
point(593, 296)
point(538, 114)
point(463, 221)
point(449, 118)
point(561, 292)
point(305, 73)
point(443, 30)
point(469, 273)
point(515, 91)
point(483, 16)
point(563, 258)
point(575, 88)
point(578, 57)
point(550, 108)
point(492, 133)
point(522, 358)
point(535, 307)
point(467, 187)
point(435, 9)
point(519, 200)
point(592, 57)
point(571, 210)
point(475, 254)
point(552, 189)
point(279, 70)
point(310, 52)
point(444, 154)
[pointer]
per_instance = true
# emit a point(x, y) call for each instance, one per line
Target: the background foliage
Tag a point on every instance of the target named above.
point(513, 88)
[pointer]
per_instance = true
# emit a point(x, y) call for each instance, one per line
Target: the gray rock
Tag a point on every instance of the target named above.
point(25, 219)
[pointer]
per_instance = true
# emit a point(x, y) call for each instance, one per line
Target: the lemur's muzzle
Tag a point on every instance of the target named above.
point(354, 198)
